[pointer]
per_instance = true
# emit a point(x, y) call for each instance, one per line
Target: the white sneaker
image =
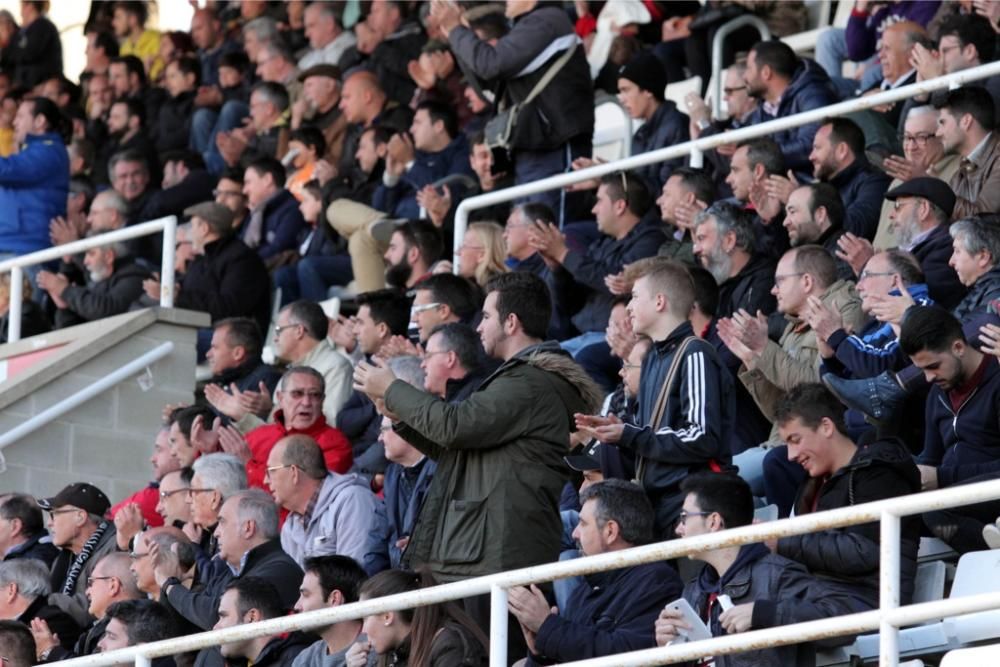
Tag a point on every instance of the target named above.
point(991, 534)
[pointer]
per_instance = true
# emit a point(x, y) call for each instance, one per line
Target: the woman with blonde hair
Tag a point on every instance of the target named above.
point(33, 320)
point(482, 254)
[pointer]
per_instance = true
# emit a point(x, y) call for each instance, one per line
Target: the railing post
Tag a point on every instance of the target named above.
point(16, 301)
point(498, 626)
point(141, 660)
point(717, 41)
point(167, 270)
point(889, 548)
point(697, 158)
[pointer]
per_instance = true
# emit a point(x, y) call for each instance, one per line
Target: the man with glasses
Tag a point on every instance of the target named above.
point(151, 547)
point(24, 589)
point(443, 298)
point(22, 530)
point(229, 193)
point(173, 503)
point(140, 508)
point(79, 528)
point(215, 478)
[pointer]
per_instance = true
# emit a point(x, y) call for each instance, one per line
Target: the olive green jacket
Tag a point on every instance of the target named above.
point(494, 501)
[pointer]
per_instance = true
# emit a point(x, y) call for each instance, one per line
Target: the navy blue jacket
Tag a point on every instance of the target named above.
point(612, 612)
point(604, 257)
point(667, 127)
point(34, 184)
point(404, 492)
point(809, 88)
point(39, 547)
point(862, 189)
point(400, 201)
point(964, 443)
point(933, 253)
point(283, 225)
point(981, 296)
point(695, 427)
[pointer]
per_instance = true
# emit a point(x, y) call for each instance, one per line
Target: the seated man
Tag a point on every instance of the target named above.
point(441, 299)
point(815, 215)
point(249, 600)
point(143, 502)
point(614, 611)
point(845, 561)
point(114, 282)
point(25, 536)
point(151, 547)
point(275, 227)
point(962, 436)
point(134, 622)
point(967, 127)
point(16, 644)
point(328, 513)
point(454, 362)
point(182, 446)
point(215, 477)
point(766, 589)
point(681, 197)
point(414, 247)
point(25, 586)
point(329, 581)
point(234, 357)
point(173, 506)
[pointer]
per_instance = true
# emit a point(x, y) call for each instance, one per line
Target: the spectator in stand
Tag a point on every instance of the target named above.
point(365, 105)
point(613, 612)
point(753, 166)
point(267, 133)
point(142, 504)
point(173, 127)
point(114, 282)
point(130, 177)
point(215, 477)
point(441, 299)
point(147, 549)
point(814, 215)
point(844, 561)
point(965, 41)
point(234, 357)
point(319, 107)
point(229, 192)
point(328, 41)
point(328, 513)
point(923, 157)
point(129, 24)
point(766, 589)
point(79, 529)
point(787, 85)
point(227, 279)
point(128, 78)
point(454, 363)
point(182, 422)
point(134, 622)
point(185, 183)
point(686, 439)
point(174, 491)
point(24, 535)
point(550, 134)
point(391, 38)
point(414, 246)
point(250, 600)
point(34, 182)
point(125, 133)
point(481, 255)
point(275, 224)
point(966, 127)
point(683, 193)
point(276, 64)
point(208, 35)
point(895, 55)
point(101, 48)
point(17, 644)
point(36, 53)
point(329, 581)
point(25, 585)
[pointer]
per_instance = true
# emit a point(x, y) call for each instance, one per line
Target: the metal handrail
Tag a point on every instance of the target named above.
point(727, 29)
point(167, 225)
point(888, 618)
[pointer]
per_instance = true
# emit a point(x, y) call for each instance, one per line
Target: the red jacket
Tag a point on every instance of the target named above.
point(147, 499)
point(335, 445)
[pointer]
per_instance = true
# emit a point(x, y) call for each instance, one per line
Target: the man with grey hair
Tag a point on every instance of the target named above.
point(24, 590)
point(329, 513)
point(216, 477)
point(258, 32)
point(328, 41)
point(276, 64)
point(614, 515)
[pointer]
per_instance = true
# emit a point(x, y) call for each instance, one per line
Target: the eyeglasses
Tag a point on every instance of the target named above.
point(920, 139)
point(416, 310)
point(194, 491)
point(865, 275)
point(226, 193)
point(167, 494)
point(271, 469)
point(684, 516)
point(65, 511)
point(279, 328)
point(134, 556)
point(730, 91)
point(900, 203)
point(778, 279)
point(91, 580)
point(627, 366)
point(298, 394)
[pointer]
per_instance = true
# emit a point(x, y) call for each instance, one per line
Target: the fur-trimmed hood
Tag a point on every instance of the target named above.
point(562, 364)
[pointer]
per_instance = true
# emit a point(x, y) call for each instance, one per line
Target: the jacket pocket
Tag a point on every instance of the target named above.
point(464, 533)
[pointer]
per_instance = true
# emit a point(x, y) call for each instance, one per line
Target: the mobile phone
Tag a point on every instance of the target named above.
point(698, 630)
point(877, 154)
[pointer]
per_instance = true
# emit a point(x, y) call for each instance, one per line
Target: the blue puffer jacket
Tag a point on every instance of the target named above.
point(809, 89)
point(400, 201)
point(33, 188)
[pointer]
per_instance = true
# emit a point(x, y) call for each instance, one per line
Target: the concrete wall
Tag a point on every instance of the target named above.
point(106, 441)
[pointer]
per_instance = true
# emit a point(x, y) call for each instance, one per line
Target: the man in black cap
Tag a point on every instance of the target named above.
point(79, 528)
point(319, 107)
point(919, 217)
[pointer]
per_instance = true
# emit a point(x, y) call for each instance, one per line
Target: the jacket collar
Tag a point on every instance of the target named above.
point(674, 338)
point(849, 173)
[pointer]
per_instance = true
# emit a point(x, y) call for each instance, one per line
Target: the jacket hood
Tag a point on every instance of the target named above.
point(891, 452)
point(709, 580)
point(808, 73)
point(332, 486)
point(552, 358)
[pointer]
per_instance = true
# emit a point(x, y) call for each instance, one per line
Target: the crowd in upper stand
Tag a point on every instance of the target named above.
point(652, 354)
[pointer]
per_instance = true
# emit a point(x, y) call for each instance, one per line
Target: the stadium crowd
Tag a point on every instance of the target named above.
point(652, 354)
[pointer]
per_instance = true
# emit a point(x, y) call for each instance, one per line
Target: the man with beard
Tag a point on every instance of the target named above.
point(319, 107)
point(126, 131)
point(815, 215)
point(414, 247)
point(966, 127)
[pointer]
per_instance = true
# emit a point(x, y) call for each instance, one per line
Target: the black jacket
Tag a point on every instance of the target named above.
point(750, 289)
point(281, 651)
point(86, 643)
point(39, 547)
point(194, 189)
point(666, 127)
point(829, 240)
point(111, 296)
point(981, 296)
point(173, 123)
point(846, 560)
point(391, 58)
point(611, 612)
point(564, 110)
point(229, 280)
point(933, 253)
point(36, 53)
point(862, 189)
point(59, 622)
point(33, 321)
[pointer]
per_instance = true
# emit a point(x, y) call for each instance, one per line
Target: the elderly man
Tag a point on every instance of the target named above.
point(24, 589)
point(328, 41)
point(216, 477)
point(130, 177)
point(173, 504)
point(895, 49)
point(76, 521)
point(267, 131)
point(150, 545)
point(319, 107)
point(22, 530)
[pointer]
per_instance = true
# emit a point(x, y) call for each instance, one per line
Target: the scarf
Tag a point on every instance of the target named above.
point(88, 549)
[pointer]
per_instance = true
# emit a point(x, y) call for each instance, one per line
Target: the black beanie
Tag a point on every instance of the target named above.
point(647, 72)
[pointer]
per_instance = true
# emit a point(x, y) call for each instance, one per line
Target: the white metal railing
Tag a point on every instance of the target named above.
point(167, 225)
point(887, 619)
point(728, 28)
point(706, 143)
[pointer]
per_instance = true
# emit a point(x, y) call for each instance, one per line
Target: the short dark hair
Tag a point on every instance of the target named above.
point(706, 290)
point(105, 41)
point(337, 573)
point(439, 111)
point(811, 403)
point(23, 507)
point(930, 328)
point(463, 341)
point(145, 621)
point(269, 166)
point(725, 493)
point(459, 294)
point(234, 174)
point(971, 29)
point(382, 134)
point(492, 25)
point(624, 503)
point(846, 131)
point(388, 306)
point(828, 197)
point(237, 60)
point(189, 65)
point(423, 235)
point(17, 645)
point(133, 108)
point(971, 100)
point(817, 262)
point(311, 137)
point(696, 181)
point(764, 151)
point(132, 66)
point(525, 295)
point(257, 593)
point(629, 186)
point(537, 211)
point(243, 332)
point(136, 8)
point(185, 418)
point(190, 159)
point(43, 106)
point(311, 316)
point(778, 56)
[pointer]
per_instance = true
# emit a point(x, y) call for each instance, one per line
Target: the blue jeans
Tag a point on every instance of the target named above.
point(831, 53)
point(782, 479)
point(311, 277)
point(206, 124)
point(574, 345)
point(564, 587)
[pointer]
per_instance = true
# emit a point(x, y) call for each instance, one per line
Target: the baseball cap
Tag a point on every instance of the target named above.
point(585, 457)
point(85, 496)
